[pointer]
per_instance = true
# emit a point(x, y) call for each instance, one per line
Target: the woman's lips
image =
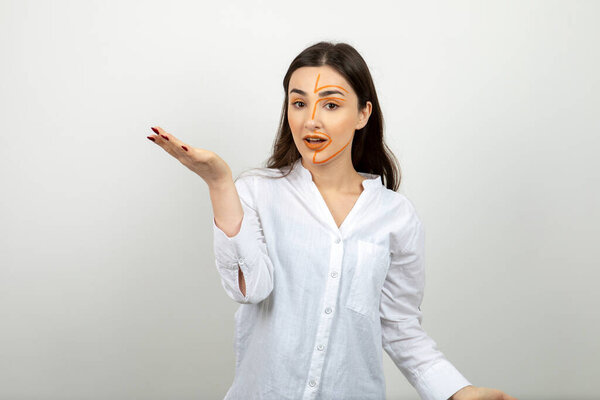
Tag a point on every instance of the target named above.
point(315, 145)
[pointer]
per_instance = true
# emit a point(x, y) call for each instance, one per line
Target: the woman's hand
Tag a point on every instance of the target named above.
point(207, 164)
point(480, 393)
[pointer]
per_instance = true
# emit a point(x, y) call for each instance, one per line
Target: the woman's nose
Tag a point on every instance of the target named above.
point(311, 124)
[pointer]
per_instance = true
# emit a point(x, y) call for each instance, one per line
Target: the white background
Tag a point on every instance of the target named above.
point(108, 288)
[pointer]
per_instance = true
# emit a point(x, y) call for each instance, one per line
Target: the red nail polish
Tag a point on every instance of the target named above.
point(155, 130)
point(166, 138)
point(151, 138)
point(185, 148)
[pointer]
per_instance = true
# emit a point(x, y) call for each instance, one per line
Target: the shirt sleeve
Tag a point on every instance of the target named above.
point(403, 338)
point(246, 250)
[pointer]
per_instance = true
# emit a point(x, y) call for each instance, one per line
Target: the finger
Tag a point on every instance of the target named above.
point(161, 133)
point(170, 143)
point(153, 137)
point(177, 144)
point(160, 140)
point(156, 138)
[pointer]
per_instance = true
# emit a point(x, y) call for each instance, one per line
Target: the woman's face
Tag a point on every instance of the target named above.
point(322, 104)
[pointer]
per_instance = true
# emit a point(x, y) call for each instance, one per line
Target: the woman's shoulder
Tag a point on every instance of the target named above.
point(396, 198)
point(398, 206)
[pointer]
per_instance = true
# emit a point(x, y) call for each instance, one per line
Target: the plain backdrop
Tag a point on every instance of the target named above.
point(108, 287)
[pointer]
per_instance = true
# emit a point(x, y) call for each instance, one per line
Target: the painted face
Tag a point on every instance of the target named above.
point(322, 105)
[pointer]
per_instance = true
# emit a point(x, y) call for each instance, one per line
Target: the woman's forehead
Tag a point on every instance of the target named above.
point(308, 76)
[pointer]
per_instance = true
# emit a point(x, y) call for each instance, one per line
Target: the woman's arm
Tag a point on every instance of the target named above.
point(239, 243)
point(240, 248)
point(228, 214)
point(414, 352)
point(227, 207)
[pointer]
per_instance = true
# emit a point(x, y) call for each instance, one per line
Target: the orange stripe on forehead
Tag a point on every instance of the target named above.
point(319, 88)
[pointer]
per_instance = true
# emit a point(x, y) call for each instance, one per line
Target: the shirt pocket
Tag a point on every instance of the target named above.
point(370, 271)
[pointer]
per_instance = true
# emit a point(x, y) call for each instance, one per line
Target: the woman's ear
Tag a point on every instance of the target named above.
point(364, 115)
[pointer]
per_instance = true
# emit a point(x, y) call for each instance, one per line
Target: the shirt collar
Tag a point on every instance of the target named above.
point(373, 181)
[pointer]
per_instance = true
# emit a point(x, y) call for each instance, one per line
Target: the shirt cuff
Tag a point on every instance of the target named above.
point(241, 247)
point(440, 382)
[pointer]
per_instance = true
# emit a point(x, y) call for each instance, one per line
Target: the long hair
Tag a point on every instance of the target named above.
point(369, 152)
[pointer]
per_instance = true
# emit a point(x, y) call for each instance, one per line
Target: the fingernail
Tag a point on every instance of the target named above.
point(154, 129)
point(151, 138)
point(166, 138)
point(185, 148)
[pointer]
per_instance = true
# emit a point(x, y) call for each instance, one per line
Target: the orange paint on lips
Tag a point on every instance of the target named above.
point(317, 145)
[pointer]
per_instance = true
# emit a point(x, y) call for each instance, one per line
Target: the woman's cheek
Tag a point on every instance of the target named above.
point(294, 124)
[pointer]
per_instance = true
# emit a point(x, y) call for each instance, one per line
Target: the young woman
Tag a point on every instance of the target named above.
point(326, 262)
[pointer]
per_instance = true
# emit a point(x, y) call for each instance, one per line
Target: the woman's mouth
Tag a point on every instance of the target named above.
point(314, 143)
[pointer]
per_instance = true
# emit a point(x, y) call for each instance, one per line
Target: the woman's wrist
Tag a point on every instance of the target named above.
point(465, 391)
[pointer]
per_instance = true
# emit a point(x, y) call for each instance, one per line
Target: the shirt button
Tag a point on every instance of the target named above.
point(320, 347)
point(328, 310)
point(312, 383)
point(241, 262)
point(334, 274)
point(337, 240)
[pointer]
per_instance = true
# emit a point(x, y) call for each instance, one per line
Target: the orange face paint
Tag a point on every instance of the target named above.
point(317, 146)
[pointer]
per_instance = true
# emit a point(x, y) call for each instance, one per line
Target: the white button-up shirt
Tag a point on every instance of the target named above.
point(321, 301)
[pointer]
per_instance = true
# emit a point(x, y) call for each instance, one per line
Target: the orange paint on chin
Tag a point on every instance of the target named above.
point(330, 157)
point(329, 141)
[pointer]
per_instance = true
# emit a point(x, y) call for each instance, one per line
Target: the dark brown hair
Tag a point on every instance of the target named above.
point(369, 152)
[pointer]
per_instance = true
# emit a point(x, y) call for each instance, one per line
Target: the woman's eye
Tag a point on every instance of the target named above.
point(295, 103)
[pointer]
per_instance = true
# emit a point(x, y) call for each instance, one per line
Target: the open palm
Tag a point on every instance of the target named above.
point(207, 164)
